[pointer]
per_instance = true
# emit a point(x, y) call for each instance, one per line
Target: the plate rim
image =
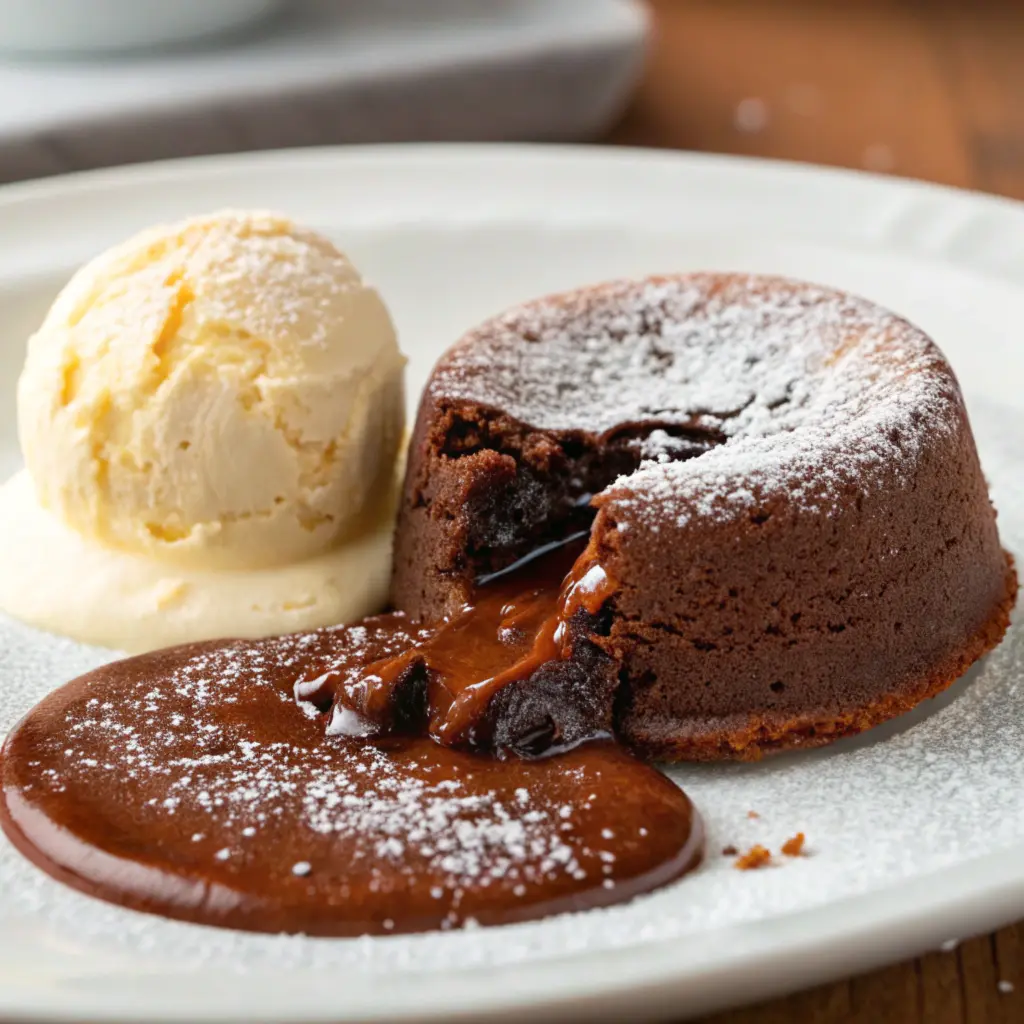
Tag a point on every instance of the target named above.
point(154, 171)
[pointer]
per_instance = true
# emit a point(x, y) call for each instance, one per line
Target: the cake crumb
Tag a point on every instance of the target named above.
point(729, 851)
point(794, 846)
point(1005, 987)
point(757, 856)
point(753, 814)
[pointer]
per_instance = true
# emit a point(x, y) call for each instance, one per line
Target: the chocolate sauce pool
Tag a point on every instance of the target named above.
point(287, 784)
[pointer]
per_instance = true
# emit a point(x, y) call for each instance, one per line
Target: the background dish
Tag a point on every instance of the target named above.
point(51, 27)
point(326, 71)
point(914, 829)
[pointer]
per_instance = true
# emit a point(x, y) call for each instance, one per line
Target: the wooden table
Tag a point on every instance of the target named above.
point(925, 88)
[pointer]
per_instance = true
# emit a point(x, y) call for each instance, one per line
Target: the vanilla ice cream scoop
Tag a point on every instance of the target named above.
point(225, 392)
point(211, 415)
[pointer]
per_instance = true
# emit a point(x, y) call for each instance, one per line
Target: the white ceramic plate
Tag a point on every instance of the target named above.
point(916, 830)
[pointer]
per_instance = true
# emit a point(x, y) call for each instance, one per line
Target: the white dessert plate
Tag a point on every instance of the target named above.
point(915, 831)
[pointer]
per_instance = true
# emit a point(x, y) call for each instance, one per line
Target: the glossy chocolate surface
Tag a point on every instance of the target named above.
point(445, 679)
point(208, 782)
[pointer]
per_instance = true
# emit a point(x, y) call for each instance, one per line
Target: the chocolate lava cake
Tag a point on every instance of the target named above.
point(780, 483)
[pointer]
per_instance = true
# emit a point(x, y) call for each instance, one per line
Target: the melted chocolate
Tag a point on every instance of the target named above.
point(189, 783)
point(515, 625)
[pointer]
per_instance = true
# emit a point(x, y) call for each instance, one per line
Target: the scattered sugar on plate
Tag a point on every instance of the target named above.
point(927, 791)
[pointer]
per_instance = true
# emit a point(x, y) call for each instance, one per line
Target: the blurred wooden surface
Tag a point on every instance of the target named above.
point(924, 88)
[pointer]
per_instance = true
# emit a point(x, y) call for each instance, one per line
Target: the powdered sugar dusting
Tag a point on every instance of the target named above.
point(246, 269)
point(960, 753)
point(795, 388)
point(927, 791)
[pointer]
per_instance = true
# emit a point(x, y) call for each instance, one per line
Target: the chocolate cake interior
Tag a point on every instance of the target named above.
point(508, 494)
point(528, 488)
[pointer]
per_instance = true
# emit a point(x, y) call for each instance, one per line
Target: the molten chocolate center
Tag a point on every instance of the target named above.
point(446, 681)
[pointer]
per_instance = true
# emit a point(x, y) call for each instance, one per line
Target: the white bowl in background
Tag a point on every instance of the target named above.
point(74, 27)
